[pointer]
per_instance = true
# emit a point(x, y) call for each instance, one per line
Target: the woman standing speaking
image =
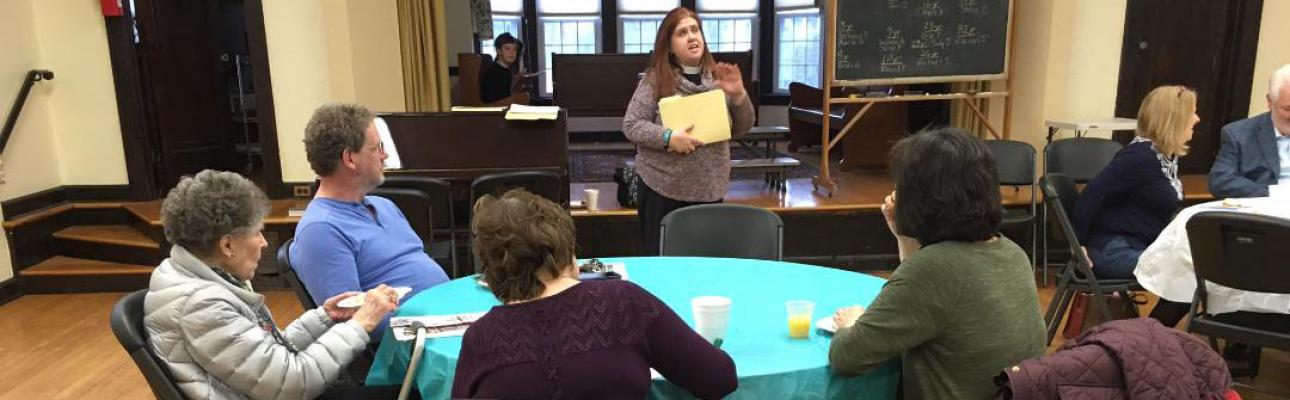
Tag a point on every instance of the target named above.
point(674, 169)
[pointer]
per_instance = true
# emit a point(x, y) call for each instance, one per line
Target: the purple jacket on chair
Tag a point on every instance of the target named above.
point(1125, 359)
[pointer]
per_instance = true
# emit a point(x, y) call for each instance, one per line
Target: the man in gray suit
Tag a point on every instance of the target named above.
point(1256, 151)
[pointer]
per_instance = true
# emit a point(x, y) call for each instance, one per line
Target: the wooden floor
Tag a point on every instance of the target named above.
point(61, 347)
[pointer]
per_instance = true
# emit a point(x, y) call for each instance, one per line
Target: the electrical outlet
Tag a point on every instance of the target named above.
point(300, 191)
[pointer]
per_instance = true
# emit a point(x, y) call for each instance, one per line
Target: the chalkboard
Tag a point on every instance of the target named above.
point(909, 41)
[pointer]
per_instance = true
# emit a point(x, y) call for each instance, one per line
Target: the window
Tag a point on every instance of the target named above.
point(797, 53)
point(639, 32)
point(501, 24)
point(728, 25)
point(728, 32)
point(565, 35)
point(566, 27)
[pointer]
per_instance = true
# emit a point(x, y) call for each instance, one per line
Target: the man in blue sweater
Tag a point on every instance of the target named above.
point(1256, 151)
point(346, 240)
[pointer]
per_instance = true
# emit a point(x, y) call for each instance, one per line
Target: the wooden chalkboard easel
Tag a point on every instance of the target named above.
point(830, 64)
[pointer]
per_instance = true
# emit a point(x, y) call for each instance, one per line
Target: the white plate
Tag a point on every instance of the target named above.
point(826, 324)
point(357, 301)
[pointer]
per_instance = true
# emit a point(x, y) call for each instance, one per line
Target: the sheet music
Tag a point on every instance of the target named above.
point(393, 161)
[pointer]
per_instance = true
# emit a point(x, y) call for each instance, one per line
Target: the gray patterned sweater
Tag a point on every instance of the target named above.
point(701, 176)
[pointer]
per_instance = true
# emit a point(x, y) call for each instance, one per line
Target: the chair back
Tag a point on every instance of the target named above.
point(1060, 189)
point(470, 68)
point(415, 205)
point(722, 230)
point(542, 183)
point(439, 191)
point(1241, 250)
point(293, 279)
point(1080, 158)
point(1014, 160)
point(127, 324)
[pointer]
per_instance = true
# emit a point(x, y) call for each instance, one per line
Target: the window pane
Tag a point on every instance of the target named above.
point(552, 32)
point(568, 6)
point(798, 51)
point(663, 6)
point(726, 5)
point(507, 6)
point(586, 33)
point(743, 30)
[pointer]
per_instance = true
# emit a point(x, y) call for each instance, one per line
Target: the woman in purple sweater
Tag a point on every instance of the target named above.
point(555, 337)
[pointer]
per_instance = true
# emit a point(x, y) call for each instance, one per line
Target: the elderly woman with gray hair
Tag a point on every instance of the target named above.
point(212, 331)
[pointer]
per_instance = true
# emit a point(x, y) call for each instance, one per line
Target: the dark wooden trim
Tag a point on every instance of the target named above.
point(127, 79)
point(454, 70)
point(529, 31)
point(773, 99)
point(271, 175)
point(609, 27)
point(62, 194)
point(10, 290)
point(765, 55)
point(690, 4)
point(1246, 20)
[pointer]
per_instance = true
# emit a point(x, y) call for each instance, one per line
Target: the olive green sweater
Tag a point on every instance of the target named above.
point(956, 313)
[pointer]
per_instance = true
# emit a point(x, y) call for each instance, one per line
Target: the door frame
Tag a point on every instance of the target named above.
point(141, 150)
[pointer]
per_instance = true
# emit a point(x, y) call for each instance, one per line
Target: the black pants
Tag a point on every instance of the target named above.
point(651, 207)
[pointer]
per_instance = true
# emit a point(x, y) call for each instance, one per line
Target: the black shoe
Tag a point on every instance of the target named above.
point(1236, 352)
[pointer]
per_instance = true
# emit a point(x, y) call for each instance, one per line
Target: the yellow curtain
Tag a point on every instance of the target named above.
point(423, 41)
point(961, 116)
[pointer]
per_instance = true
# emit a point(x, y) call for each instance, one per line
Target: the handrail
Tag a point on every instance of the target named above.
point(32, 76)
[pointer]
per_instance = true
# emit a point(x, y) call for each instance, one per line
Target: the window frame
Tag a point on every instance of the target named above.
point(622, 31)
point(780, 16)
point(754, 30)
point(547, 80)
point(486, 45)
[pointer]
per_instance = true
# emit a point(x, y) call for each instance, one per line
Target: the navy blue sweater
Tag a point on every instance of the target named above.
point(1131, 197)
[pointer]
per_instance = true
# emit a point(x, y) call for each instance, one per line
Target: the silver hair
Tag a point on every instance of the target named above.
point(1278, 81)
point(202, 209)
point(334, 128)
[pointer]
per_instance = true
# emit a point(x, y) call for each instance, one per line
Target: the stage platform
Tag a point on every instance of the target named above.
point(845, 230)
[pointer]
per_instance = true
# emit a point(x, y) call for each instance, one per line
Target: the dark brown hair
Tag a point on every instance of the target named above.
point(517, 237)
point(947, 188)
point(663, 66)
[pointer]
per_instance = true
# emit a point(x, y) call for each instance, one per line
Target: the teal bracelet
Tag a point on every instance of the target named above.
point(667, 137)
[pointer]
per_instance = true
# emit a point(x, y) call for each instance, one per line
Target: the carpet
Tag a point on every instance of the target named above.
point(588, 166)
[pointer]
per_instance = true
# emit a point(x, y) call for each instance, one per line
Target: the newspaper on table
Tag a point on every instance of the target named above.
point(436, 325)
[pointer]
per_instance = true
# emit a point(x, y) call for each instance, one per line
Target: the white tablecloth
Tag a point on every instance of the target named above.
point(1166, 268)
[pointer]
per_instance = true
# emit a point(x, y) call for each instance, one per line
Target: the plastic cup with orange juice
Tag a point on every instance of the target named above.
point(799, 318)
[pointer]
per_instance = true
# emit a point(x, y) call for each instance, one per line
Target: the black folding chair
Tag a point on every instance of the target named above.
point(443, 227)
point(293, 279)
point(722, 230)
point(1080, 159)
point(1077, 275)
point(127, 325)
point(1241, 251)
point(1015, 162)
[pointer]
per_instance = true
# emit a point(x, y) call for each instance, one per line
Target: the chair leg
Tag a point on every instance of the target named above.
point(1057, 307)
point(1043, 230)
point(1100, 299)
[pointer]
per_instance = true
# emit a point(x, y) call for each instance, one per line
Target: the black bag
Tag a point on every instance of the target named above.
point(625, 176)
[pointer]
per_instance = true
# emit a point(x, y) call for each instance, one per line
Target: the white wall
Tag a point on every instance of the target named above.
point(1274, 51)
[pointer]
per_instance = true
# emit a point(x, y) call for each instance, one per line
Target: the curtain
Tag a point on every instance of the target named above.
point(423, 41)
point(961, 116)
point(481, 11)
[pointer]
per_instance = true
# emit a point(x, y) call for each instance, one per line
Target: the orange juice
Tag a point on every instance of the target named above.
point(799, 326)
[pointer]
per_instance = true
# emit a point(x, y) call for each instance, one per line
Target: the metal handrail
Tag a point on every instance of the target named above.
point(32, 76)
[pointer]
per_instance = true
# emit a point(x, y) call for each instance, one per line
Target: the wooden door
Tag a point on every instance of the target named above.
point(1204, 44)
point(184, 94)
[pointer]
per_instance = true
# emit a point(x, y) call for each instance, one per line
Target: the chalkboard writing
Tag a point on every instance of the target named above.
point(920, 40)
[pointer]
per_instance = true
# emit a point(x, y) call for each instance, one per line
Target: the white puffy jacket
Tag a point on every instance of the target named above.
point(207, 332)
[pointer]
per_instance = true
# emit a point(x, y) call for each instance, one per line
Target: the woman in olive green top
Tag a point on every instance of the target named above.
point(962, 305)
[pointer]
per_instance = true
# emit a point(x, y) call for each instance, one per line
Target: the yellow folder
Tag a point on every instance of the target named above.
point(706, 111)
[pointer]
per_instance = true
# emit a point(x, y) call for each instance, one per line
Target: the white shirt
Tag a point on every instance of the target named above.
point(1283, 149)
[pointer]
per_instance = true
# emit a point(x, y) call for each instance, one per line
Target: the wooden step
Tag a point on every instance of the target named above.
point(65, 266)
point(114, 243)
point(121, 235)
point(62, 274)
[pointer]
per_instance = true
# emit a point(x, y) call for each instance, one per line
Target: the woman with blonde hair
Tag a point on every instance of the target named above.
point(1126, 206)
point(674, 169)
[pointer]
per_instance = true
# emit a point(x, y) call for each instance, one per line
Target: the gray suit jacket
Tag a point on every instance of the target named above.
point(1247, 160)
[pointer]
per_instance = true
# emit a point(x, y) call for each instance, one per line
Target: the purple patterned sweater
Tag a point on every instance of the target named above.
point(595, 340)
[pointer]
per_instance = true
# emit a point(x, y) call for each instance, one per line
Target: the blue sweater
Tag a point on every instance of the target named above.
point(1131, 197)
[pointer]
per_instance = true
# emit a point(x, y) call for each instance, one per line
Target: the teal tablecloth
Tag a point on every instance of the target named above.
point(770, 364)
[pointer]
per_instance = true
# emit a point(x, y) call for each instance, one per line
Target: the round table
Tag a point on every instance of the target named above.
point(769, 363)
